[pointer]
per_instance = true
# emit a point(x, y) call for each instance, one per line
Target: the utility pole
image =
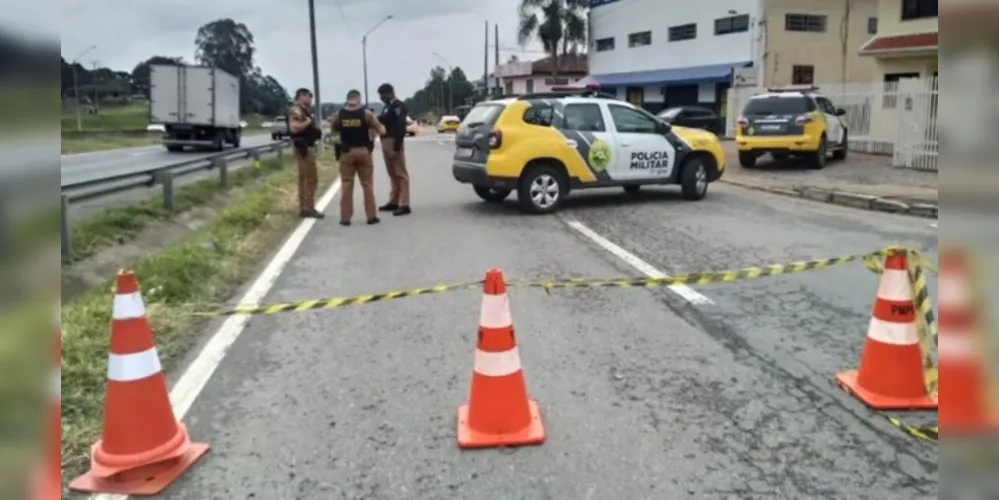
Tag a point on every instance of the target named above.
point(485, 65)
point(496, 54)
point(315, 73)
point(364, 54)
point(97, 103)
point(76, 87)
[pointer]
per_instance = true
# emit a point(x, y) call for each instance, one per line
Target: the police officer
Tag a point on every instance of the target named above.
point(304, 134)
point(355, 123)
point(393, 118)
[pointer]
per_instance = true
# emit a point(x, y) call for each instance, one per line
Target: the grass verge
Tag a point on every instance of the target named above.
point(201, 269)
point(91, 144)
point(121, 224)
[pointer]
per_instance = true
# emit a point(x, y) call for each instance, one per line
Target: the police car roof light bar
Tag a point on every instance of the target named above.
point(794, 88)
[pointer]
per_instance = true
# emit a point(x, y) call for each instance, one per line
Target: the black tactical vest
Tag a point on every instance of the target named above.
point(354, 129)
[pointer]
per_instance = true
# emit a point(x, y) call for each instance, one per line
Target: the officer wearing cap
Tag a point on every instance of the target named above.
point(393, 118)
point(304, 134)
point(354, 124)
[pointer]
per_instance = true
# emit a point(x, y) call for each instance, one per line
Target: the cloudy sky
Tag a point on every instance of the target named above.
point(401, 51)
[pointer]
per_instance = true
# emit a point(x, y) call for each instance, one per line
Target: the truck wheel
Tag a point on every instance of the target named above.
point(236, 139)
point(219, 144)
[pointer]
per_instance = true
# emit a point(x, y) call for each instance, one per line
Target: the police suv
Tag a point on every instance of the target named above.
point(544, 145)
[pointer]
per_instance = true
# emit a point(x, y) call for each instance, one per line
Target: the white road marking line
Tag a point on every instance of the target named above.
point(197, 375)
point(684, 291)
point(143, 153)
point(934, 225)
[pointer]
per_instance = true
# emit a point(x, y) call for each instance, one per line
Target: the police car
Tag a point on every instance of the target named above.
point(544, 145)
point(791, 121)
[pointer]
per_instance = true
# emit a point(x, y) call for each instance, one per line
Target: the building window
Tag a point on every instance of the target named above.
point(889, 101)
point(802, 75)
point(508, 88)
point(872, 26)
point(640, 39)
point(805, 22)
point(605, 44)
point(918, 9)
point(733, 24)
point(683, 32)
point(530, 85)
point(557, 81)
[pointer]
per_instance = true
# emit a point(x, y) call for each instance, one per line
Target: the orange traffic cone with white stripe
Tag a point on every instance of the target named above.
point(962, 378)
point(890, 376)
point(48, 479)
point(498, 412)
point(143, 448)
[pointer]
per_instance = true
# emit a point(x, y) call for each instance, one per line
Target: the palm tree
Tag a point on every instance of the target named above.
point(559, 24)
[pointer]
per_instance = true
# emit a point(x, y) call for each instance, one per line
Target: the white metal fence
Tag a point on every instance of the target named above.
point(891, 118)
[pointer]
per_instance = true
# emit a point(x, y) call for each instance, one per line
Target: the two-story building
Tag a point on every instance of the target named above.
point(907, 40)
point(521, 77)
point(662, 53)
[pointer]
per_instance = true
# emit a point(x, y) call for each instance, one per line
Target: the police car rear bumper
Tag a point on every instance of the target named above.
point(471, 173)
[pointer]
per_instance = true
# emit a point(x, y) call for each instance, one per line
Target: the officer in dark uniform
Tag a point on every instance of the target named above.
point(304, 134)
point(354, 123)
point(393, 118)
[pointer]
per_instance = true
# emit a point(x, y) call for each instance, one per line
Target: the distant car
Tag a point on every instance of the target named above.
point(279, 128)
point(449, 123)
point(692, 117)
point(412, 128)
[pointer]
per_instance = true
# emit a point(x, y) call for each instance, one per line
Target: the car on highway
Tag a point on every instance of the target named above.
point(693, 117)
point(279, 128)
point(412, 128)
point(448, 123)
point(545, 145)
point(792, 121)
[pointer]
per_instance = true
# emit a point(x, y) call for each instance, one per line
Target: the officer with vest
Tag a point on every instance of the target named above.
point(393, 117)
point(304, 135)
point(355, 124)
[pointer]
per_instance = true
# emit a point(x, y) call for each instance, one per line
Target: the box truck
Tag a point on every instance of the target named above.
point(198, 106)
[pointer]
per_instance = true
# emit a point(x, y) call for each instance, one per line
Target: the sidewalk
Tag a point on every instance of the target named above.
point(861, 181)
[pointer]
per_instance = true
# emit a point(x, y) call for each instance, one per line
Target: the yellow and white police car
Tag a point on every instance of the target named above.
point(544, 145)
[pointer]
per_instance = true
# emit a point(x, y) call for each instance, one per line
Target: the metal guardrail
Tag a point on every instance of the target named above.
point(162, 175)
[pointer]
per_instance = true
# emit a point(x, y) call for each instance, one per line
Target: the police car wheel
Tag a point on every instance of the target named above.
point(817, 159)
point(840, 152)
point(694, 179)
point(747, 160)
point(541, 190)
point(492, 195)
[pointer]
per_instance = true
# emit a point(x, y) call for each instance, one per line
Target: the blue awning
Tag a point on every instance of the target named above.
point(715, 73)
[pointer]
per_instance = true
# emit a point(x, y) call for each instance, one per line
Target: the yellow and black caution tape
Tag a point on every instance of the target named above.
point(924, 433)
point(687, 279)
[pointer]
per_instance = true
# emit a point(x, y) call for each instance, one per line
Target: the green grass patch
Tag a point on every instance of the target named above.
point(201, 269)
point(121, 224)
point(91, 144)
point(131, 117)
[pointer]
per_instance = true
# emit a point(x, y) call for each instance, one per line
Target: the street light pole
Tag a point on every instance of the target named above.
point(76, 88)
point(450, 84)
point(364, 54)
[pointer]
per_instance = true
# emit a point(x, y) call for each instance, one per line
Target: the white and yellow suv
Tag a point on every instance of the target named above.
point(791, 121)
point(544, 145)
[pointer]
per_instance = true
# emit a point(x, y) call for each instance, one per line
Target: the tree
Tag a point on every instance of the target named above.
point(226, 44)
point(140, 74)
point(559, 24)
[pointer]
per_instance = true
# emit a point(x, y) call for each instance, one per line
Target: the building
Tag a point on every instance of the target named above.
point(521, 77)
point(906, 42)
point(706, 46)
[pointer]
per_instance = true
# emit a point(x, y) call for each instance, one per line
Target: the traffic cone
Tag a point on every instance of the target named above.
point(48, 479)
point(143, 448)
point(498, 412)
point(962, 378)
point(890, 376)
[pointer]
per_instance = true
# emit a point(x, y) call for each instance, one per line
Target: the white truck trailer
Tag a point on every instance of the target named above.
point(198, 106)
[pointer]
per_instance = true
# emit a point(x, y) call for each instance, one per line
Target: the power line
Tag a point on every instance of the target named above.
point(346, 23)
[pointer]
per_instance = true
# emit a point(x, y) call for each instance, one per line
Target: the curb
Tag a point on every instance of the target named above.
point(848, 199)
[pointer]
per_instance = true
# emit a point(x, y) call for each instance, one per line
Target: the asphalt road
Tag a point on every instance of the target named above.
point(86, 166)
point(644, 393)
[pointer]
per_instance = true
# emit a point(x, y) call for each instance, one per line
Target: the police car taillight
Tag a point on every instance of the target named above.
point(742, 121)
point(803, 119)
point(495, 139)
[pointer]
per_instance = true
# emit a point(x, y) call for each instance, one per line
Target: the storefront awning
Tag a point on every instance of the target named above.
point(715, 73)
point(894, 44)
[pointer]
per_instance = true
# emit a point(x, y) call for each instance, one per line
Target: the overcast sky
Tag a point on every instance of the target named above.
point(400, 51)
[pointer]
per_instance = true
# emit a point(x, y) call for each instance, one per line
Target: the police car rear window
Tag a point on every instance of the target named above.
point(483, 114)
point(778, 106)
